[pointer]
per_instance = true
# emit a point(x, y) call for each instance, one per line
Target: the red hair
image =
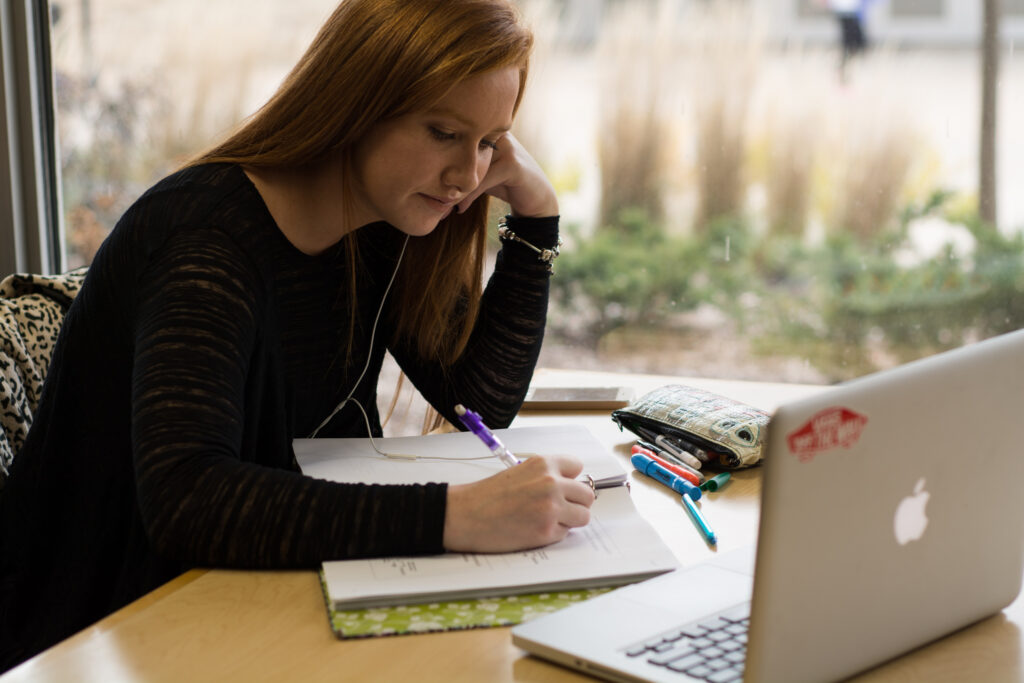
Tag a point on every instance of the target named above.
point(375, 60)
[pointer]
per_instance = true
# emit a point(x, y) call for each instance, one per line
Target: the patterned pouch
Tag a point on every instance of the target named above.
point(728, 429)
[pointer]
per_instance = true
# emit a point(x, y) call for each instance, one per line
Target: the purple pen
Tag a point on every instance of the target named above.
point(476, 425)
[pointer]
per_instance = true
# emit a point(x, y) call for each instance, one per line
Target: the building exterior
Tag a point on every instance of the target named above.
point(900, 23)
point(897, 23)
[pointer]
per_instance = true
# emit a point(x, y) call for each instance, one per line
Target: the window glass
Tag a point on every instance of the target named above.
point(917, 8)
point(768, 191)
point(1013, 8)
point(811, 8)
point(142, 85)
point(741, 197)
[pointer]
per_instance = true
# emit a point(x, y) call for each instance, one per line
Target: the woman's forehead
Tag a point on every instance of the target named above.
point(485, 100)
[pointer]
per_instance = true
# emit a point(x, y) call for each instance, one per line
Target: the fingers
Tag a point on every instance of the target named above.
point(575, 515)
point(515, 177)
point(567, 470)
point(579, 493)
point(497, 174)
point(567, 466)
point(527, 506)
point(570, 499)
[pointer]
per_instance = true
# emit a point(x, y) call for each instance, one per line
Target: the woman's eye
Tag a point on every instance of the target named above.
point(489, 144)
point(441, 135)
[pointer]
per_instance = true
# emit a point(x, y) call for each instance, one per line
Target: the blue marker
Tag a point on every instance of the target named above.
point(652, 469)
point(698, 519)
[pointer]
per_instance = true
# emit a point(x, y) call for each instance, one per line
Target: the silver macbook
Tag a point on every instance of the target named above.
point(891, 515)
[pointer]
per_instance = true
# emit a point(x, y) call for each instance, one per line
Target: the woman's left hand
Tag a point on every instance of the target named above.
point(516, 178)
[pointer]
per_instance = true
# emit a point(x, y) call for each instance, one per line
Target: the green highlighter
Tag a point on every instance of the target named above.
point(716, 482)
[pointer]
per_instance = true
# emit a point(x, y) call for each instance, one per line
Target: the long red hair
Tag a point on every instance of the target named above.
point(375, 60)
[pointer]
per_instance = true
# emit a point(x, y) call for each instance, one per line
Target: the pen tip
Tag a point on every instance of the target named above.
point(460, 409)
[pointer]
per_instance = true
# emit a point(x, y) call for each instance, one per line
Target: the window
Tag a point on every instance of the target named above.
point(753, 210)
point(29, 218)
point(144, 84)
point(918, 8)
point(811, 8)
point(734, 204)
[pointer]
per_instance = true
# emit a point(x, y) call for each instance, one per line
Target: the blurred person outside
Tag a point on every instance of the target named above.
point(851, 17)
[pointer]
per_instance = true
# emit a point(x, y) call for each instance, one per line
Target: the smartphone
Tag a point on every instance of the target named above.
point(577, 398)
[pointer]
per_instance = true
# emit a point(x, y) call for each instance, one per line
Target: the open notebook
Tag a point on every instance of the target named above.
point(617, 547)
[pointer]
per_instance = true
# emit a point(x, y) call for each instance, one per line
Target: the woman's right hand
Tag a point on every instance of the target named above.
point(527, 506)
point(515, 177)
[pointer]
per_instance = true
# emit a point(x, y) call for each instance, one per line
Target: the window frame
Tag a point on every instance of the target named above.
point(30, 214)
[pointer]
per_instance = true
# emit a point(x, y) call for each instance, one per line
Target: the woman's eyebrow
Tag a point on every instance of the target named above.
point(451, 113)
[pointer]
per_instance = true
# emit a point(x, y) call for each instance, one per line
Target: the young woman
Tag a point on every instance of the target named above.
point(249, 299)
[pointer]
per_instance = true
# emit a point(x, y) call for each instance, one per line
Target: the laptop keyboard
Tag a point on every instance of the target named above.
point(713, 649)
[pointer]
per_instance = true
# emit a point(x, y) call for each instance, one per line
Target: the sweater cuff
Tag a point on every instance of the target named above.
point(435, 508)
point(542, 233)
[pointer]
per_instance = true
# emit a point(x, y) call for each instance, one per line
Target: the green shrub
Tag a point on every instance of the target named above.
point(629, 273)
point(846, 305)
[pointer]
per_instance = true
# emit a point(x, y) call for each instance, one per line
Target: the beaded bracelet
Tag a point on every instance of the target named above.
point(543, 255)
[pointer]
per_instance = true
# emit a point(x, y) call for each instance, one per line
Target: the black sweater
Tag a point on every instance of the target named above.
point(202, 342)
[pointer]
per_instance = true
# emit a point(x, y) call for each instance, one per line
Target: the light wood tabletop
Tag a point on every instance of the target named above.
point(221, 625)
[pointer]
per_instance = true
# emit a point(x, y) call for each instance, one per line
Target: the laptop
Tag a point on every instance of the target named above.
point(891, 515)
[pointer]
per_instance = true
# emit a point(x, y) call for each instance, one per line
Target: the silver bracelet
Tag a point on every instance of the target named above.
point(543, 255)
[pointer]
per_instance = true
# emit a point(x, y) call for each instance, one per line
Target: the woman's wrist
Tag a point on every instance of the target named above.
point(540, 201)
point(544, 209)
point(533, 238)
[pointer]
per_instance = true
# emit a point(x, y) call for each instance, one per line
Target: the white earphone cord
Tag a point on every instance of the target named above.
point(369, 356)
point(366, 418)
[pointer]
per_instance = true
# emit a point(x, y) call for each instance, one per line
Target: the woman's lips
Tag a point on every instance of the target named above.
point(442, 205)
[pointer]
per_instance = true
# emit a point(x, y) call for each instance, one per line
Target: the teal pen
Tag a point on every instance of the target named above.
point(699, 520)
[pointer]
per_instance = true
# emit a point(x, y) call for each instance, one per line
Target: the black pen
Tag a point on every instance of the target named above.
point(669, 445)
point(658, 449)
point(690, 447)
point(683, 444)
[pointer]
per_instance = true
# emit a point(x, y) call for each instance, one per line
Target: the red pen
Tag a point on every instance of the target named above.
point(694, 478)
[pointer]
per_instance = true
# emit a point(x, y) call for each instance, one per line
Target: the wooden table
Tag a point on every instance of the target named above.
point(271, 626)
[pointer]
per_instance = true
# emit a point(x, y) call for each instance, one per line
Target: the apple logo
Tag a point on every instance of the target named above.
point(910, 520)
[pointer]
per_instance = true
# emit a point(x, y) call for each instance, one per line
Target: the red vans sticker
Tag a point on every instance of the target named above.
point(831, 428)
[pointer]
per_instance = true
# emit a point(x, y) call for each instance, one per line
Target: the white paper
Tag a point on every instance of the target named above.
point(618, 546)
point(355, 460)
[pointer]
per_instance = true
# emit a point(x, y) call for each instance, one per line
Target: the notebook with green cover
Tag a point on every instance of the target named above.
point(617, 547)
point(449, 615)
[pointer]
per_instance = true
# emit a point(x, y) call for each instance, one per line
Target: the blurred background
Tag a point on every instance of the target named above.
point(742, 196)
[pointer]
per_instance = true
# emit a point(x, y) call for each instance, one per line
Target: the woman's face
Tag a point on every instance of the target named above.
point(413, 170)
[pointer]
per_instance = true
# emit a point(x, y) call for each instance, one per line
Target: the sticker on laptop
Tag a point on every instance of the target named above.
point(831, 428)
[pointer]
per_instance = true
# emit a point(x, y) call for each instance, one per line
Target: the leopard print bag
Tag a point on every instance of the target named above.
point(32, 308)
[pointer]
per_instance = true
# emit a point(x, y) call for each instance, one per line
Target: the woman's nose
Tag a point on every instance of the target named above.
point(463, 171)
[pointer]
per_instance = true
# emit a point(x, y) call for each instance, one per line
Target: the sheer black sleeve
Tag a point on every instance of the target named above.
point(212, 455)
point(493, 373)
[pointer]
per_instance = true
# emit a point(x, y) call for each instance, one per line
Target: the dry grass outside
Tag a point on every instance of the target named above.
point(134, 103)
point(725, 47)
point(632, 166)
point(634, 127)
point(875, 167)
point(529, 124)
point(790, 164)
point(721, 150)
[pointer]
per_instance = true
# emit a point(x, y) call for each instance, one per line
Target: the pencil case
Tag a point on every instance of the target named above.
point(728, 430)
